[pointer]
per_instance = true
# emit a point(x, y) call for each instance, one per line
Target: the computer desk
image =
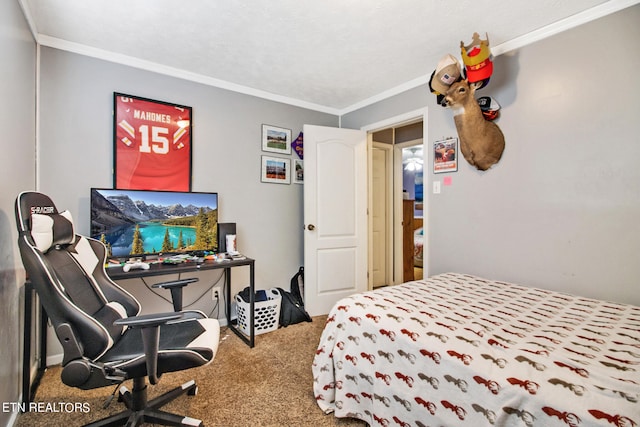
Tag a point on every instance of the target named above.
point(161, 269)
point(116, 273)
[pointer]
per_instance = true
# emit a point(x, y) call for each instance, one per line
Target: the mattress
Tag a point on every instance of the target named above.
point(459, 350)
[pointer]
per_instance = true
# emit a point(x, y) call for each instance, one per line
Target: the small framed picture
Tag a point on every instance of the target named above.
point(276, 170)
point(276, 140)
point(298, 171)
point(445, 155)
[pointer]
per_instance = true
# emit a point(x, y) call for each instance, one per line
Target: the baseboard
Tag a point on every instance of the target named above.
point(55, 359)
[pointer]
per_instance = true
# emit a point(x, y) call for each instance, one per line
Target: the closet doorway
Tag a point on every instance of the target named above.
point(397, 204)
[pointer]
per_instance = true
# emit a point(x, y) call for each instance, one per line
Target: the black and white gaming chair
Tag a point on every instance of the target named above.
point(104, 339)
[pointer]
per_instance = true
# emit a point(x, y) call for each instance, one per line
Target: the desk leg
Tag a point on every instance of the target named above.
point(43, 341)
point(252, 302)
point(28, 388)
point(26, 345)
point(227, 295)
point(252, 297)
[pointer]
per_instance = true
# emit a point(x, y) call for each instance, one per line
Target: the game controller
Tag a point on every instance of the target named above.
point(135, 266)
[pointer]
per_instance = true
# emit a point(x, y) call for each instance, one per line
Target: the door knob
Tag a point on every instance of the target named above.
point(311, 227)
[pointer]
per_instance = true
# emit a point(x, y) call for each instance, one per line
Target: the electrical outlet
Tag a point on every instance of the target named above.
point(215, 294)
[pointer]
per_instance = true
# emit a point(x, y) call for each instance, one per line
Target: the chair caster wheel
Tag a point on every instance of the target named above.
point(193, 391)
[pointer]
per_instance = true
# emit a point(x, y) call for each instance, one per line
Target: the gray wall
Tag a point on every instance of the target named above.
point(17, 173)
point(76, 145)
point(561, 209)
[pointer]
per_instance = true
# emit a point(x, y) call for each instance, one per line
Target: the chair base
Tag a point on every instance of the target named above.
point(140, 411)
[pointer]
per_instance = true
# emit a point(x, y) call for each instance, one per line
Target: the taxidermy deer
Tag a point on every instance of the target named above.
point(481, 141)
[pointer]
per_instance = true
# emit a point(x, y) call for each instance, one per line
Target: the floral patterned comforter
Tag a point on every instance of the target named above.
point(458, 350)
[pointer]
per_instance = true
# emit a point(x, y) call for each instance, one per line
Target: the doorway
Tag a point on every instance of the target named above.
point(397, 204)
point(412, 170)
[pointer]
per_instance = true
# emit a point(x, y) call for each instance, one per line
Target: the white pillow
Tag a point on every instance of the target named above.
point(51, 230)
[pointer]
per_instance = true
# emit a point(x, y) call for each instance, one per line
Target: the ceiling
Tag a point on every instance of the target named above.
point(329, 55)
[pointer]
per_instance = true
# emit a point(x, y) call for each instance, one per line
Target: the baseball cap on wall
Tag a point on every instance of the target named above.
point(447, 72)
point(480, 72)
point(489, 107)
point(439, 96)
point(477, 59)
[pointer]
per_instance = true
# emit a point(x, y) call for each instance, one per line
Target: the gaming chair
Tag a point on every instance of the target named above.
point(104, 338)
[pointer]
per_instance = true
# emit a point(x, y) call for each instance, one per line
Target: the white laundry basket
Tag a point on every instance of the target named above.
point(266, 313)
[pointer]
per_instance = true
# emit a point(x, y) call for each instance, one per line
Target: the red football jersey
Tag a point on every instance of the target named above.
point(153, 145)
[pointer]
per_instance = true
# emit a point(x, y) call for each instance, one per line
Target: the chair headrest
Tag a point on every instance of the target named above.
point(30, 202)
point(37, 215)
point(51, 230)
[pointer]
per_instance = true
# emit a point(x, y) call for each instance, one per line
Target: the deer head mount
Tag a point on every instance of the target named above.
point(481, 141)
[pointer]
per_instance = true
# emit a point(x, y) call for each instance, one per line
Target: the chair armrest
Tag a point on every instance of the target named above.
point(148, 320)
point(175, 287)
point(149, 325)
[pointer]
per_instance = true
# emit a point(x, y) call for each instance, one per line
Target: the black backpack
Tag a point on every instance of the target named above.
point(292, 305)
point(297, 285)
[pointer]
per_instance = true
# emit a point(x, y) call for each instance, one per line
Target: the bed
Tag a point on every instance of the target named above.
point(459, 350)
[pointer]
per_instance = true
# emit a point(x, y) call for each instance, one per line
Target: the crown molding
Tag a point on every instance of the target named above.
point(594, 13)
point(576, 20)
point(557, 27)
point(28, 16)
point(142, 64)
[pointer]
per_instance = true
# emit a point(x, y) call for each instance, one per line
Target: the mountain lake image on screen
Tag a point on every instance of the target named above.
point(141, 223)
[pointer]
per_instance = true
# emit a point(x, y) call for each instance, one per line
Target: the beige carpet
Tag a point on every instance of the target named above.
point(269, 385)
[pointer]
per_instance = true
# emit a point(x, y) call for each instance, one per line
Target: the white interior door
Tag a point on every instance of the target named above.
point(381, 267)
point(335, 215)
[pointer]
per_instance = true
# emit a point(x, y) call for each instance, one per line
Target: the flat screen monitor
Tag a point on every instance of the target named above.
point(139, 223)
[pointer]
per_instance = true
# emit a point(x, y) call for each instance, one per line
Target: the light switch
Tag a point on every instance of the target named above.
point(436, 187)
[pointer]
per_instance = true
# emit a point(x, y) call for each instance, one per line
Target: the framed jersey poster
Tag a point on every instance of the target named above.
point(152, 144)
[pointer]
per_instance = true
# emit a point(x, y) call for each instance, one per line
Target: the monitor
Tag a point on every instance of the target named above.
point(140, 223)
